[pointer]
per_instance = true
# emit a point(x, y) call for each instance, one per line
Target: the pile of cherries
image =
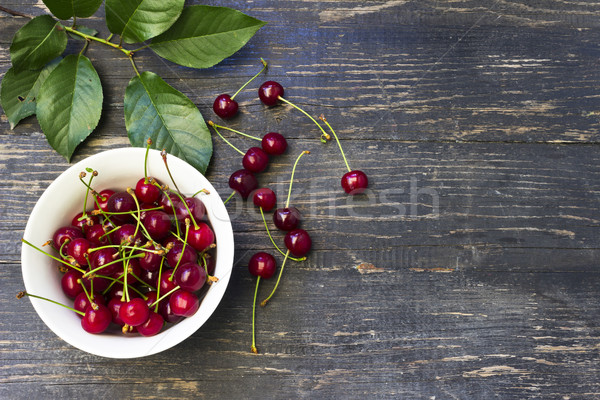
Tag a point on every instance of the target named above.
point(255, 160)
point(141, 259)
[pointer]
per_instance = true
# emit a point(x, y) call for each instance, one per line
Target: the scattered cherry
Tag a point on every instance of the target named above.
point(355, 182)
point(262, 264)
point(264, 198)
point(298, 242)
point(286, 218)
point(274, 143)
point(270, 92)
point(243, 182)
point(255, 160)
point(225, 106)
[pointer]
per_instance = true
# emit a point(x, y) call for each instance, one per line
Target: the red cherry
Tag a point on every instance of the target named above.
point(355, 182)
point(134, 312)
point(152, 325)
point(243, 182)
point(269, 92)
point(225, 107)
point(101, 202)
point(146, 192)
point(287, 218)
point(262, 264)
point(184, 303)
point(264, 198)
point(202, 237)
point(274, 143)
point(298, 242)
point(96, 319)
point(255, 160)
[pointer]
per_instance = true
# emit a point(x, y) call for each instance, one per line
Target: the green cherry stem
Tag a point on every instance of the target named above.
point(74, 266)
point(265, 301)
point(129, 53)
point(264, 63)
point(229, 198)
point(214, 126)
point(21, 294)
point(148, 144)
point(287, 203)
point(163, 154)
point(325, 136)
point(273, 241)
point(322, 118)
point(234, 131)
point(253, 347)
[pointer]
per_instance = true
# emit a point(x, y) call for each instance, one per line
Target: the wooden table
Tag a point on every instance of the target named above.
point(468, 271)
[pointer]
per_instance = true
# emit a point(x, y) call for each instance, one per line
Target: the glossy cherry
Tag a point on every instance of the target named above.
point(164, 308)
point(150, 261)
point(121, 202)
point(298, 242)
point(184, 303)
point(84, 223)
point(201, 237)
point(65, 234)
point(255, 160)
point(100, 258)
point(114, 305)
point(274, 143)
point(96, 235)
point(134, 312)
point(243, 182)
point(82, 302)
point(152, 325)
point(269, 92)
point(78, 249)
point(286, 218)
point(69, 283)
point(157, 223)
point(264, 198)
point(96, 319)
point(125, 235)
point(101, 202)
point(187, 254)
point(146, 191)
point(355, 182)
point(225, 107)
point(190, 277)
point(168, 202)
point(262, 264)
point(194, 205)
point(166, 284)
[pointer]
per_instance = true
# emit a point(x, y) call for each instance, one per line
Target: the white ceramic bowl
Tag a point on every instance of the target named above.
point(64, 198)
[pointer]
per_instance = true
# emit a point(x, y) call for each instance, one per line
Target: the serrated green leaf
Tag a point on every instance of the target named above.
point(139, 20)
point(204, 35)
point(70, 103)
point(154, 109)
point(65, 9)
point(20, 89)
point(83, 29)
point(39, 41)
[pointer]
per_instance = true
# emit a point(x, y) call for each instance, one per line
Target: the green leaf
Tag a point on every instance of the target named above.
point(39, 41)
point(83, 29)
point(69, 103)
point(139, 20)
point(204, 35)
point(65, 9)
point(19, 91)
point(155, 110)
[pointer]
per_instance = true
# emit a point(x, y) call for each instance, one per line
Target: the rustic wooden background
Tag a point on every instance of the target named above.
point(468, 271)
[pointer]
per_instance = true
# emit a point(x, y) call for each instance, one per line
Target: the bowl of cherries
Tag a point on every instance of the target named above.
point(127, 253)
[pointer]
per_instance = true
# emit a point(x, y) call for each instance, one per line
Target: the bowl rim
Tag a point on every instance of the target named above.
point(118, 160)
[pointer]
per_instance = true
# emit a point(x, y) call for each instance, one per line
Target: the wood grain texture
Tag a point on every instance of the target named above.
point(468, 271)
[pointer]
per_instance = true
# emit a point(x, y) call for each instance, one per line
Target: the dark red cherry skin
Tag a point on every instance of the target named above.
point(355, 182)
point(77, 248)
point(287, 218)
point(64, 234)
point(114, 305)
point(152, 326)
point(96, 319)
point(264, 198)
point(101, 202)
point(84, 223)
point(168, 202)
point(134, 312)
point(96, 235)
point(262, 264)
point(81, 302)
point(195, 205)
point(146, 192)
point(164, 308)
point(274, 143)
point(269, 93)
point(157, 223)
point(121, 202)
point(100, 259)
point(125, 234)
point(166, 284)
point(225, 107)
point(190, 277)
point(184, 303)
point(298, 242)
point(69, 283)
point(98, 283)
point(187, 254)
point(255, 160)
point(202, 237)
point(150, 261)
point(209, 263)
point(243, 182)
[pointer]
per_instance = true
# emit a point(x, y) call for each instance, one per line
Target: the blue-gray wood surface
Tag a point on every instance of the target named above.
point(468, 271)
